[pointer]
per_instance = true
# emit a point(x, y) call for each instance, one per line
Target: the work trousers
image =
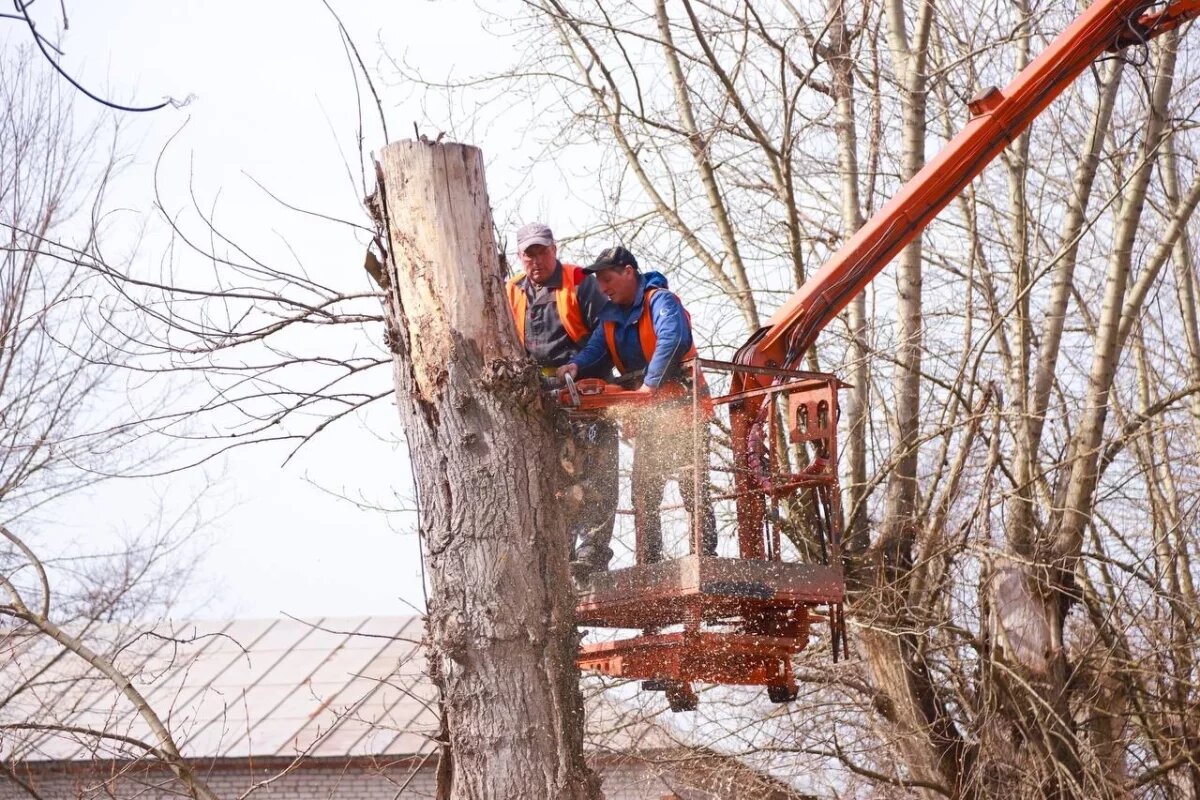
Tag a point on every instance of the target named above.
point(592, 525)
point(664, 450)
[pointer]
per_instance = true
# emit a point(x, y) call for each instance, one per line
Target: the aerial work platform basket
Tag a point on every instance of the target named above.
point(736, 620)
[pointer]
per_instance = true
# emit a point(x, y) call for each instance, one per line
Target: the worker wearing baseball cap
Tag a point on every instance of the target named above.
point(556, 307)
point(646, 329)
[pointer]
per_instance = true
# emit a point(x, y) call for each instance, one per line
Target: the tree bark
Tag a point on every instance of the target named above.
point(501, 629)
point(930, 745)
point(841, 65)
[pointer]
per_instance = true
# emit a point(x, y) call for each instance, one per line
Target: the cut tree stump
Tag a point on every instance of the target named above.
point(501, 610)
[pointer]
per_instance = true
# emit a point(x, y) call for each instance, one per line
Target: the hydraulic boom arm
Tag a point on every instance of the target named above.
point(997, 118)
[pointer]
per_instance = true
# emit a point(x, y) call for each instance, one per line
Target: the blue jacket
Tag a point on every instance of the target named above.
point(670, 326)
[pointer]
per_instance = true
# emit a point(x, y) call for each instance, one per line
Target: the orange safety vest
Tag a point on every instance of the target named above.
point(646, 334)
point(565, 297)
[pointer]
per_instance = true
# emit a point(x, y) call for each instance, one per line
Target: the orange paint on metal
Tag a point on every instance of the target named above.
point(728, 620)
point(998, 119)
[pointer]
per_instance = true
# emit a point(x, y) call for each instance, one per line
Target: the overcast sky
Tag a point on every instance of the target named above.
point(272, 98)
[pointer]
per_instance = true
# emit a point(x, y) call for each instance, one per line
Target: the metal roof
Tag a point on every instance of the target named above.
point(249, 688)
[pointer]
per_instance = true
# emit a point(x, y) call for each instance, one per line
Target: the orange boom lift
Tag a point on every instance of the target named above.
point(741, 620)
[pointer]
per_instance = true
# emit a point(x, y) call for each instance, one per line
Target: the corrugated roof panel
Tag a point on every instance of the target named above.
point(338, 665)
point(330, 720)
point(317, 704)
point(342, 629)
point(352, 726)
point(243, 687)
point(398, 658)
point(199, 666)
point(223, 710)
point(72, 698)
point(411, 742)
point(233, 638)
point(357, 685)
point(190, 643)
point(212, 738)
point(103, 716)
point(332, 687)
point(290, 667)
point(284, 711)
point(281, 636)
point(385, 740)
point(393, 707)
point(272, 735)
point(321, 636)
point(409, 628)
point(132, 649)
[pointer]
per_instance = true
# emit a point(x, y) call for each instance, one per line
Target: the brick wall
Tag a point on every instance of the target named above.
point(316, 779)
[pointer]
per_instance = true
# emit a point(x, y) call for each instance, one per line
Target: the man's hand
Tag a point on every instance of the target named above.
point(565, 370)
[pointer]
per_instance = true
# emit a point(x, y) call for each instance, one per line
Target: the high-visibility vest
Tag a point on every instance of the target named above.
point(646, 334)
point(566, 298)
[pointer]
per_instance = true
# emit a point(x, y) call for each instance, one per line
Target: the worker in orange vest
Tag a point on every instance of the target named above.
point(555, 307)
point(646, 329)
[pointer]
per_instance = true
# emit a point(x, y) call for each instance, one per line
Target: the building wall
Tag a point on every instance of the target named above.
point(624, 779)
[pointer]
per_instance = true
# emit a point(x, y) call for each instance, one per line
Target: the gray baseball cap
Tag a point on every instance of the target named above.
point(534, 233)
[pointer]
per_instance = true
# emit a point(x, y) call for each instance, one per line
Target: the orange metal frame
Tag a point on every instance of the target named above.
point(729, 620)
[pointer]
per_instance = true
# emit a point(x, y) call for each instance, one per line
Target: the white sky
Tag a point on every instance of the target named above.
point(274, 99)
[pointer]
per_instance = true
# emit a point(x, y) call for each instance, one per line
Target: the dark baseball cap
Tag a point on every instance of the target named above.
point(613, 257)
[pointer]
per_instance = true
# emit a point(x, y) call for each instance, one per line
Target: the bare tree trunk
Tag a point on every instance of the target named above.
point(716, 202)
point(931, 747)
point(841, 64)
point(909, 54)
point(1021, 529)
point(1076, 502)
point(501, 613)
